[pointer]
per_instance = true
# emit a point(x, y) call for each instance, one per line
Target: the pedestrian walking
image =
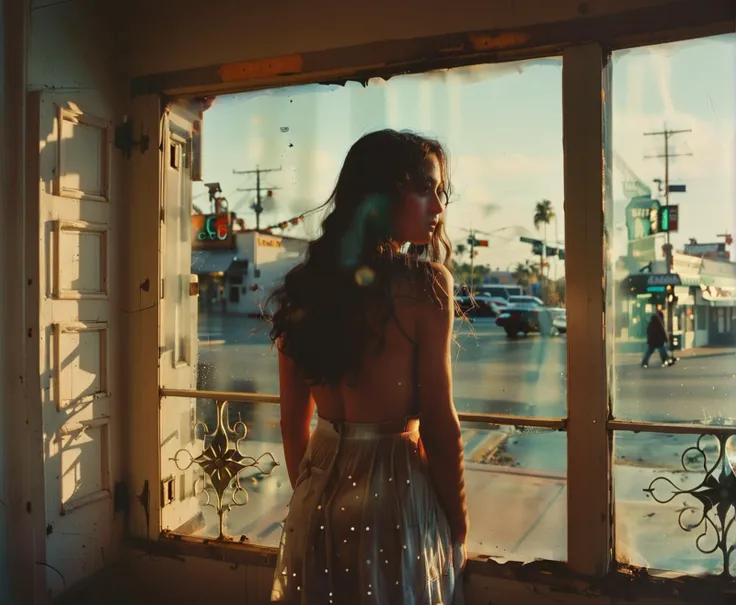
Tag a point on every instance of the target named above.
point(657, 339)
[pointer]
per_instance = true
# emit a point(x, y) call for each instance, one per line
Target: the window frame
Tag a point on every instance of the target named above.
point(586, 109)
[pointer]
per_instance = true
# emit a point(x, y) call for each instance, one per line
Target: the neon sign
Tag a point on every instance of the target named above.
point(212, 231)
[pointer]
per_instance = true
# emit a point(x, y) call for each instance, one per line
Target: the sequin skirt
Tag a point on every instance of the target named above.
point(364, 523)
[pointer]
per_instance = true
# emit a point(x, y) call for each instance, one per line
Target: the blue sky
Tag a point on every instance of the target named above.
point(503, 127)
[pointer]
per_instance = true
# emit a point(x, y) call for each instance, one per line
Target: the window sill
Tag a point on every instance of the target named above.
point(627, 583)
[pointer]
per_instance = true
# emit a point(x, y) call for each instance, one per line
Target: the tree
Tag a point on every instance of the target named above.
point(543, 215)
point(461, 274)
point(527, 273)
point(523, 273)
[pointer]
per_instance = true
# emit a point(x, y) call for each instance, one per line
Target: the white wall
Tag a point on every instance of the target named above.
point(273, 262)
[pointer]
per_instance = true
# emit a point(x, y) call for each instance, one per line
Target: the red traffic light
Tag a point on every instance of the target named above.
point(483, 243)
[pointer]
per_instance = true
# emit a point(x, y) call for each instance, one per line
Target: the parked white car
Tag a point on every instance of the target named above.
point(559, 323)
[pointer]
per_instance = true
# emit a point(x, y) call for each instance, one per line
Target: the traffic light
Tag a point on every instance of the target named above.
point(671, 298)
point(664, 219)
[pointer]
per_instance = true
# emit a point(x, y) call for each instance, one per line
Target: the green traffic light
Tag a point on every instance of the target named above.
point(665, 219)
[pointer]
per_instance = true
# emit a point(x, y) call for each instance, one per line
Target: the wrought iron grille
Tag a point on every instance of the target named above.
point(221, 463)
point(716, 494)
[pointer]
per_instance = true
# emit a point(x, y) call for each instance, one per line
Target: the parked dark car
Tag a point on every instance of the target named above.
point(525, 319)
point(477, 306)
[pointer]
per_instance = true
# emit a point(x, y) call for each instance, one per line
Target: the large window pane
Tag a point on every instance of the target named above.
point(502, 125)
point(674, 116)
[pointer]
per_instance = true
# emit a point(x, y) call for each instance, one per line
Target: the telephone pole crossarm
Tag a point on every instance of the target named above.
point(258, 206)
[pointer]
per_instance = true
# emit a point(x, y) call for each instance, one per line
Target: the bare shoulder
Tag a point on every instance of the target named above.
point(425, 284)
point(442, 278)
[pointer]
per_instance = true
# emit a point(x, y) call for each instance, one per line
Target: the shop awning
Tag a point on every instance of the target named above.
point(206, 262)
point(718, 297)
point(650, 283)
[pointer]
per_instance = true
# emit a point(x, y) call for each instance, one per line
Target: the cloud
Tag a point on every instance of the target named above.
point(713, 154)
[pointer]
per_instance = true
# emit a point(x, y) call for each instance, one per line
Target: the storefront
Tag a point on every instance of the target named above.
point(642, 295)
point(719, 306)
point(240, 280)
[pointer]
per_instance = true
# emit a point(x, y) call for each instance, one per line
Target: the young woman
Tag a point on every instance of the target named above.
point(364, 328)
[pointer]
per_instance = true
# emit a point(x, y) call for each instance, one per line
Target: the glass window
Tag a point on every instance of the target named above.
point(673, 277)
point(271, 159)
point(673, 132)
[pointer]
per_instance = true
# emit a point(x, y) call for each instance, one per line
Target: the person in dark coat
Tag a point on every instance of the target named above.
point(657, 339)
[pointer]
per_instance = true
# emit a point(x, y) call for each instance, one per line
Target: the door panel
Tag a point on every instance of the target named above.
point(178, 319)
point(77, 329)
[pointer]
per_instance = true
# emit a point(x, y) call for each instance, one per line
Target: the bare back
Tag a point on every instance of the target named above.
point(385, 389)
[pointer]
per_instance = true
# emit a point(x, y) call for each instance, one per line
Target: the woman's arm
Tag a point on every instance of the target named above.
point(440, 427)
point(297, 407)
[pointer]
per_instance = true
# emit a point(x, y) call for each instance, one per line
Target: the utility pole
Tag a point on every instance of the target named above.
point(257, 207)
point(667, 133)
point(473, 243)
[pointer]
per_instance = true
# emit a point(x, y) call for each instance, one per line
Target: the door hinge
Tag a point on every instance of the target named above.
point(162, 288)
point(162, 214)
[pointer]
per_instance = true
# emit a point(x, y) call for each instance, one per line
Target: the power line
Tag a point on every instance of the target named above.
point(258, 206)
point(297, 219)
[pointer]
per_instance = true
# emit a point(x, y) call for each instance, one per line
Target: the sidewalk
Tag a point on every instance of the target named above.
point(631, 351)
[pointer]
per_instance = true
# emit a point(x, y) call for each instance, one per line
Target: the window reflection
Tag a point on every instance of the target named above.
point(673, 132)
point(673, 254)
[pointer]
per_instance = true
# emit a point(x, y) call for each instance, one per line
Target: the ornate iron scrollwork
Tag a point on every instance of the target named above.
point(717, 495)
point(222, 464)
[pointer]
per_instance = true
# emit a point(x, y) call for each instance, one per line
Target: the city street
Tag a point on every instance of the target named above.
point(496, 375)
point(522, 472)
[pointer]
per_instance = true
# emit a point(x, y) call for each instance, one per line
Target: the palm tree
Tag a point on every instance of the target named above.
point(543, 215)
point(526, 273)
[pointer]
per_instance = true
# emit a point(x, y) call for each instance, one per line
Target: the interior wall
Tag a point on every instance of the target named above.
point(4, 517)
point(169, 35)
point(16, 544)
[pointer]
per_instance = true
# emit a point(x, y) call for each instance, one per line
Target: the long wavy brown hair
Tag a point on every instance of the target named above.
point(332, 309)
